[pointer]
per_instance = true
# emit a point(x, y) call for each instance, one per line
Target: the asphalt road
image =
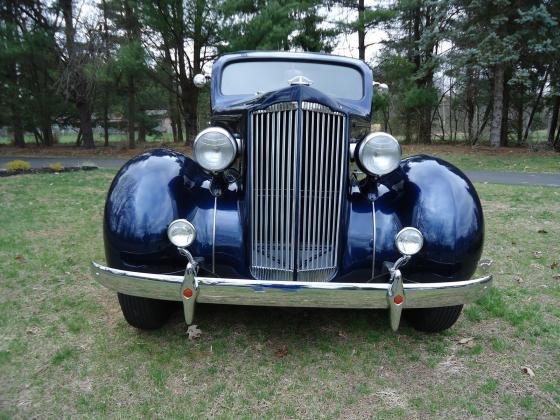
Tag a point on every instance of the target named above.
point(512, 178)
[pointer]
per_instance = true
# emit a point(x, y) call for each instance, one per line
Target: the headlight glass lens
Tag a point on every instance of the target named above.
point(181, 233)
point(379, 153)
point(214, 149)
point(409, 241)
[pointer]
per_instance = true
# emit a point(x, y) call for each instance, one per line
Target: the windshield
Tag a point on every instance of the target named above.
point(256, 77)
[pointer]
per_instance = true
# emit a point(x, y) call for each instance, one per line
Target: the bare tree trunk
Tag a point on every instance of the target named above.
point(141, 129)
point(361, 31)
point(131, 92)
point(470, 106)
point(12, 74)
point(556, 143)
point(173, 129)
point(504, 131)
point(451, 112)
point(79, 94)
point(385, 120)
point(535, 106)
point(17, 128)
point(37, 135)
point(456, 121)
point(131, 117)
point(442, 125)
point(407, 130)
point(554, 120)
point(496, 130)
point(425, 125)
point(180, 138)
point(105, 87)
point(172, 114)
point(106, 119)
point(484, 122)
point(19, 139)
point(46, 130)
point(86, 125)
point(519, 123)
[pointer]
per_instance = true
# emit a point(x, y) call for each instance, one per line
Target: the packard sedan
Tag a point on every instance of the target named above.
point(290, 200)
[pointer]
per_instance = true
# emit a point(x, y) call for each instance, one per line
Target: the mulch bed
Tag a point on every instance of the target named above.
point(4, 172)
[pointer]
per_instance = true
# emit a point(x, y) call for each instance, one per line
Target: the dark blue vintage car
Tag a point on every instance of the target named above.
point(290, 200)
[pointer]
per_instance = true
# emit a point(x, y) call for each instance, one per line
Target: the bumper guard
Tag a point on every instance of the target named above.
point(191, 289)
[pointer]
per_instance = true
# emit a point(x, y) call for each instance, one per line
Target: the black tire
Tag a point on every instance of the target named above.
point(144, 313)
point(433, 320)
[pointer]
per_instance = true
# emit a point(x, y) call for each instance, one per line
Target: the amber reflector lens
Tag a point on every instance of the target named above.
point(398, 299)
point(187, 293)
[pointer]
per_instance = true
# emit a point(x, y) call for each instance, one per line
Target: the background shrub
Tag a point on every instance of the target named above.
point(18, 165)
point(56, 167)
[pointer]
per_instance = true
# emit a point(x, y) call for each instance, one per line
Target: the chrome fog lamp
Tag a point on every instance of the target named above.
point(214, 149)
point(181, 233)
point(379, 153)
point(409, 241)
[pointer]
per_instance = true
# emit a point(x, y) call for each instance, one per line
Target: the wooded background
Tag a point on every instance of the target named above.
point(481, 71)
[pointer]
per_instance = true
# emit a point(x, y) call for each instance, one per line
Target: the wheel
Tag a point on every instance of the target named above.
point(144, 313)
point(432, 320)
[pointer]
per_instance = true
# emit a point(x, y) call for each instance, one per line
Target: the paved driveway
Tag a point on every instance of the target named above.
point(514, 178)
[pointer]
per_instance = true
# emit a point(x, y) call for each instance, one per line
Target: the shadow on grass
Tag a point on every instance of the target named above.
point(295, 324)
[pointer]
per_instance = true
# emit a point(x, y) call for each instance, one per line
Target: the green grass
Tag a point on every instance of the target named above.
point(67, 351)
point(515, 163)
point(486, 159)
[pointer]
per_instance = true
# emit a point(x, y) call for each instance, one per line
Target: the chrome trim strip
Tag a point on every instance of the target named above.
point(214, 236)
point(282, 106)
point(313, 106)
point(374, 240)
point(296, 134)
point(289, 293)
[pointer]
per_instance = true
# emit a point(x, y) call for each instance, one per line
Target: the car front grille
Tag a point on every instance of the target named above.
point(297, 163)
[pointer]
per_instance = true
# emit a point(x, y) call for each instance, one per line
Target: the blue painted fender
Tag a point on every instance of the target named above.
point(148, 193)
point(446, 209)
point(431, 195)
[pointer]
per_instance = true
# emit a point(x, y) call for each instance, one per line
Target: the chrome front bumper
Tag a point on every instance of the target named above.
point(191, 289)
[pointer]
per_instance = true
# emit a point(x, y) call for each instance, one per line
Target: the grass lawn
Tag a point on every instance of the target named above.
point(65, 349)
point(506, 159)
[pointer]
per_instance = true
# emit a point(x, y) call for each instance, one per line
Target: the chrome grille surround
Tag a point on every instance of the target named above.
point(297, 164)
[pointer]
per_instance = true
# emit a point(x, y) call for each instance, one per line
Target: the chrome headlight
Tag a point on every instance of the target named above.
point(214, 149)
point(181, 233)
point(379, 153)
point(409, 241)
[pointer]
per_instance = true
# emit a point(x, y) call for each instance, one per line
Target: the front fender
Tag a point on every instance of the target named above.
point(431, 195)
point(445, 207)
point(149, 192)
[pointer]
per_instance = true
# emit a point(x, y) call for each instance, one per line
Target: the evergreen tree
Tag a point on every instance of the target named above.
point(275, 25)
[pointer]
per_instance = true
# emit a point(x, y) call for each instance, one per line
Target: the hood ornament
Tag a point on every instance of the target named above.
point(300, 81)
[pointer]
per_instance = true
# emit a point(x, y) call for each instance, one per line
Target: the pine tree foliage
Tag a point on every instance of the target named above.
point(275, 25)
point(459, 70)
